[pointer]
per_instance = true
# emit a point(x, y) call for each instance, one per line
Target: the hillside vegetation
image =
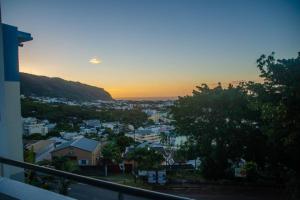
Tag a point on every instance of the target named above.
point(33, 85)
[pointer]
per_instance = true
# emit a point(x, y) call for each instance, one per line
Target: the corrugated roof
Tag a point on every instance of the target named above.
point(40, 146)
point(81, 143)
point(85, 144)
point(63, 145)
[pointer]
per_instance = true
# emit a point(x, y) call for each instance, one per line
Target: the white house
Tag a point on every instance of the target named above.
point(69, 135)
point(37, 128)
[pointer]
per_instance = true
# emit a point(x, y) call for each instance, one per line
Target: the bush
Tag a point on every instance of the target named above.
point(251, 171)
point(34, 136)
point(212, 169)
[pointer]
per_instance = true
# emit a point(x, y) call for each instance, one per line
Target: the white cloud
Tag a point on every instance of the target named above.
point(95, 61)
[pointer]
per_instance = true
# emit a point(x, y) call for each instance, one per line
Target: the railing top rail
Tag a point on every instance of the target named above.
point(95, 182)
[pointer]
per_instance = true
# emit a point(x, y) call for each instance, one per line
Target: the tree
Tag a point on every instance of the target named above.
point(222, 126)
point(53, 133)
point(113, 150)
point(108, 131)
point(259, 122)
point(278, 100)
point(34, 136)
point(146, 158)
point(69, 127)
point(29, 155)
point(64, 114)
point(64, 164)
point(111, 153)
point(186, 151)
point(164, 138)
point(122, 141)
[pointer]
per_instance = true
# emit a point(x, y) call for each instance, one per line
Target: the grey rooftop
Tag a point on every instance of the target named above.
point(81, 143)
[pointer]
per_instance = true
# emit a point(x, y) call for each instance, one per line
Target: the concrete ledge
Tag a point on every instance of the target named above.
point(22, 191)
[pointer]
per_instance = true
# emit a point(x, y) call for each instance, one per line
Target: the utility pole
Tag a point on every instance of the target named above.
point(134, 170)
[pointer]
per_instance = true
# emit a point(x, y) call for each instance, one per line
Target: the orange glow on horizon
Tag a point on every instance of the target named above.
point(122, 82)
point(138, 90)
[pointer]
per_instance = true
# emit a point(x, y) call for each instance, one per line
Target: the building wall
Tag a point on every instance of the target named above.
point(10, 105)
point(3, 132)
point(37, 128)
point(13, 123)
point(79, 154)
point(96, 155)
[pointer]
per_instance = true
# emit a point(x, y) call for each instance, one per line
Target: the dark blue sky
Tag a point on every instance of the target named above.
point(152, 47)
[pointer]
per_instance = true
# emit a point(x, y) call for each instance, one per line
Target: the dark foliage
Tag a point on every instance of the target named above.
point(63, 114)
point(259, 122)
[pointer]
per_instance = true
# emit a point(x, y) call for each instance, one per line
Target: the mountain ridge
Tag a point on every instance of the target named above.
point(40, 85)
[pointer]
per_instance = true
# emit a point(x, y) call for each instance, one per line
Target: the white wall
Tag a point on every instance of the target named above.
point(13, 126)
point(10, 119)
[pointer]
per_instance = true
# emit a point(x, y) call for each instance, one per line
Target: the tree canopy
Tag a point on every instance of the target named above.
point(62, 113)
point(258, 122)
point(146, 158)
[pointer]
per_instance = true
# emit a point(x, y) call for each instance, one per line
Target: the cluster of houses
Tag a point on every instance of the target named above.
point(94, 127)
point(84, 146)
point(32, 125)
point(157, 116)
point(153, 134)
point(86, 152)
point(113, 104)
point(52, 100)
point(71, 144)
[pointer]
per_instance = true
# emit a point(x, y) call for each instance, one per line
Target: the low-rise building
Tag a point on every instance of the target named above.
point(69, 135)
point(111, 125)
point(50, 126)
point(92, 123)
point(87, 130)
point(32, 125)
point(145, 136)
point(42, 149)
point(85, 151)
point(36, 128)
point(179, 140)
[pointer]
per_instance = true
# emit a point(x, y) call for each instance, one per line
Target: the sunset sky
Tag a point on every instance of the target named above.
point(152, 48)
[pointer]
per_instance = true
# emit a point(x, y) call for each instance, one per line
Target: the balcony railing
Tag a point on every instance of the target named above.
point(120, 189)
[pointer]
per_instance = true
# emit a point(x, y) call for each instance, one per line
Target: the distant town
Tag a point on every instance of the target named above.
point(48, 138)
point(174, 100)
point(222, 133)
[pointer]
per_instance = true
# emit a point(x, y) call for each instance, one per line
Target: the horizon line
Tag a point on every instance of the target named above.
point(153, 98)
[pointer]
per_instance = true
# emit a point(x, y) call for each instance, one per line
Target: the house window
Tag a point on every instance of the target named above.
point(83, 162)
